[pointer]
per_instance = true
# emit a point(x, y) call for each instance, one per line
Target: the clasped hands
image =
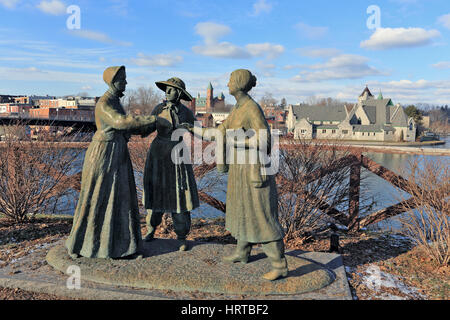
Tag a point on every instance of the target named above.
point(186, 126)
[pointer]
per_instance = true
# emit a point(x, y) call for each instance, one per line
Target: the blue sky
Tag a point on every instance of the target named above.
point(297, 49)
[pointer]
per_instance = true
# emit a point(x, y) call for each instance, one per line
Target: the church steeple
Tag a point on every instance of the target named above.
point(366, 94)
point(209, 97)
point(366, 91)
point(380, 96)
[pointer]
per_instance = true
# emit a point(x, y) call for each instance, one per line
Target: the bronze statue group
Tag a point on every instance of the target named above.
point(106, 221)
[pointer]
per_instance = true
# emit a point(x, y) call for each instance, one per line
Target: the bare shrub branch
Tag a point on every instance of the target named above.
point(34, 175)
point(427, 220)
point(313, 186)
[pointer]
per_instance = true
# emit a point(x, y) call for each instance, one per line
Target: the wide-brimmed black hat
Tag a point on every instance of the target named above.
point(176, 83)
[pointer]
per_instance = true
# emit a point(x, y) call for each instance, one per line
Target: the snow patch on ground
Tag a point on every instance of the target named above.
point(375, 279)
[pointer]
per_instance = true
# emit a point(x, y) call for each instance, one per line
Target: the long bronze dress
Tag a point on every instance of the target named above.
point(169, 187)
point(252, 205)
point(106, 221)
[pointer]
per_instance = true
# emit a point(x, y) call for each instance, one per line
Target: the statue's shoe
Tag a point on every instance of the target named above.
point(276, 274)
point(183, 245)
point(236, 258)
point(149, 237)
point(74, 255)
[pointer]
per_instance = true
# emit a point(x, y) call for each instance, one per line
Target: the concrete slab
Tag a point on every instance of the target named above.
point(33, 274)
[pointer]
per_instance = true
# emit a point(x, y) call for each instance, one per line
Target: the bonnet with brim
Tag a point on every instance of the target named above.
point(110, 73)
point(176, 83)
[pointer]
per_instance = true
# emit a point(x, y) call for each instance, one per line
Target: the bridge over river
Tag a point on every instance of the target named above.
point(81, 123)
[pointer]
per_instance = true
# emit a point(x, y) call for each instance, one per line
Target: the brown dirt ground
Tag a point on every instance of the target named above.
point(396, 256)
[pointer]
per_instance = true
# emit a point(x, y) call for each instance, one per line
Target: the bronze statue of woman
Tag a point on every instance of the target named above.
point(252, 199)
point(170, 186)
point(106, 222)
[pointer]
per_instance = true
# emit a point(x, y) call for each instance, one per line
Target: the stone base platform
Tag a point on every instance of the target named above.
point(200, 269)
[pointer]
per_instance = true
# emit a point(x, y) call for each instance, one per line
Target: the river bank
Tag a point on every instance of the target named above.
point(437, 148)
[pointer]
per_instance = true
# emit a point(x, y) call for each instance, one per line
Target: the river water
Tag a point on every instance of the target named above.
point(375, 188)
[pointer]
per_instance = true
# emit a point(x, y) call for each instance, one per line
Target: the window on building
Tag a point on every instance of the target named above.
point(303, 131)
point(324, 131)
point(333, 131)
point(363, 133)
point(344, 131)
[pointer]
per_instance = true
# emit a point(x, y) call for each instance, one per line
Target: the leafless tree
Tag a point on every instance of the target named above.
point(323, 102)
point(34, 175)
point(141, 100)
point(267, 101)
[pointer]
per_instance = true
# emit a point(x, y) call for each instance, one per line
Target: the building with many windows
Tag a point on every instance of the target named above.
point(370, 119)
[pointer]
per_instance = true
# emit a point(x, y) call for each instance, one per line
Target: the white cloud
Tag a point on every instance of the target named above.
point(261, 6)
point(414, 85)
point(221, 50)
point(318, 52)
point(119, 7)
point(390, 38)
point(37, 75)
point(442, 65)
point(10, 4)
point(420, 91)
point(262, 49)
point(159, 60)
point(212, 32)
point(32, 69)
point(53, 7)
point(445, 20)
point(292, 66)
point(403, 92)
point(311, 31)
point(98, 36)
point(344, 66)
point(266, 68)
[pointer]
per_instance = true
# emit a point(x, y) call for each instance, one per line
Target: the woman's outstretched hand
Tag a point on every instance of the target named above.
point(186, 126)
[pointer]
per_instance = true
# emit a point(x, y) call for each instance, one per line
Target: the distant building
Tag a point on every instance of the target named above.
point(209, 110)
point(371, 119)
point(207, 120)
point(209, 103)
point(7, 98)
point(14, 108)
point(63, 114)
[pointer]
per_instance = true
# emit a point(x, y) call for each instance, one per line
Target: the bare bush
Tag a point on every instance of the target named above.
point(313, 187)
point(427, 220)
point(34, 175)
